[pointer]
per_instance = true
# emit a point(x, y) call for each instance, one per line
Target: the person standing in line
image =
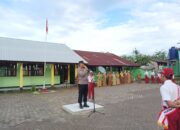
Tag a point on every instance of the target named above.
point(146, 77)
point(159, 78)
point(121, 77)
point(104, 80)
point(114, 79)
point(128, 77)
point(170, 93)
point(152, 77)
point(91, 86)
point(110, 79)
point(117, 78)
point(99, 81)
point(125, 77)
point(82, 84)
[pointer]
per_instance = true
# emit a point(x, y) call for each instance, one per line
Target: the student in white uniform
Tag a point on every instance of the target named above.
point(170, 94)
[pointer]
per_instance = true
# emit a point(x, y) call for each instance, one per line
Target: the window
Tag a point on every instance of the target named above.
point(57, 69)
point(31, 69)
point(7, 69)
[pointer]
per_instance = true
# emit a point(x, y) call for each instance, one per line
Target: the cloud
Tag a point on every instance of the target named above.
point(152, 29)
point(151, 25)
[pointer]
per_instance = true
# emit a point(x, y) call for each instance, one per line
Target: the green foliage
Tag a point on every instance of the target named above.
point(143, 59)
point(140, 58)
point(130, 58)
point(159, 55)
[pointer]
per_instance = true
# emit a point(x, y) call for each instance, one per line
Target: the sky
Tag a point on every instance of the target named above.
point(116, 26)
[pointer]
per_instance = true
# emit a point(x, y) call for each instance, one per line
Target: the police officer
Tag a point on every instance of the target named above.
point(82, 84)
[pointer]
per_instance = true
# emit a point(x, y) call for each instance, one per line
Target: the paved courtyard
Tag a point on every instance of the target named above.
point(126, 107)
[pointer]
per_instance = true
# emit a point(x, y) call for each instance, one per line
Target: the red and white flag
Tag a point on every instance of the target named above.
point(46, 26)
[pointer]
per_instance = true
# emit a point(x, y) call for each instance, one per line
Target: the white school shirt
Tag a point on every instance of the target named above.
point(146, 73)
point(153, 74)
point(91, 79)
point(169, 92)
point(159, 75)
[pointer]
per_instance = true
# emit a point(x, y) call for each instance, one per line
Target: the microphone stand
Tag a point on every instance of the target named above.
point(94, 108)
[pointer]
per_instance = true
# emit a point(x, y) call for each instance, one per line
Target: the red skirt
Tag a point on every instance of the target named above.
point(152, 79)
point(91, 90)
point(158, 80)
point(174, 120)
point(146, 79)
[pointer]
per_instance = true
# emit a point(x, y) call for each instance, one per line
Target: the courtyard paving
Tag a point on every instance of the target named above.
point(126, 107)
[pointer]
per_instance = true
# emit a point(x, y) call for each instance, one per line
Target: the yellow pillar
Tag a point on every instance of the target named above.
point(52, 74)
point(21, 75)
point(68, 73)
point(76, 70)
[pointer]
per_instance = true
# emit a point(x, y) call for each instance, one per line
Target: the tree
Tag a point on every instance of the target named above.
point(130, 58)
point(138, 58)
point(143, 59)
point(136, 52)
point(159, 55)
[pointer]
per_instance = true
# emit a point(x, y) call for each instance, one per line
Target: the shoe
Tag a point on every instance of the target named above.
point(80, 106)
point(85, 105)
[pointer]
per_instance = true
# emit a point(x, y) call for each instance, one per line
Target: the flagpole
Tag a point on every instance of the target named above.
point(45, 50)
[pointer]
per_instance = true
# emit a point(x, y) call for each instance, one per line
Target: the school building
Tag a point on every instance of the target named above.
point(26, 63)
point(109, 61)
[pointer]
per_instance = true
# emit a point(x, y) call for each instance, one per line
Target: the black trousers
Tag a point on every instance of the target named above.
point(83, 91)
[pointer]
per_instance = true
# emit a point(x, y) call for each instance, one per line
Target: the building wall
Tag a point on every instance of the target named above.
point(28, 80)
point(10, 81)
point(39, 80)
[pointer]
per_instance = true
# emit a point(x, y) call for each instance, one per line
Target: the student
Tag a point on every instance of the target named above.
point(125, 77)
point(121, 77)
point(117, 78)
point(110, 78)
point(159, 78)
point(104, 80)
point(113, 79)
point(170, 94)
point(128, 77)
point(99, 81)
point(91, 86)
point(152, 77)
point(146, 77)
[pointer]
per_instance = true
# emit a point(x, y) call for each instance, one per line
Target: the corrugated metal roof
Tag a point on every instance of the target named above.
point(35, 51)
point(104, 59)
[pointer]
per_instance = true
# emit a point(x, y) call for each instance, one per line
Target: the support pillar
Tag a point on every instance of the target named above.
point(21, 76)
point(69, 74)
point(52, 75)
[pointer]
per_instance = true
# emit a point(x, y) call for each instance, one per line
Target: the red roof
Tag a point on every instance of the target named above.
point(104, 59)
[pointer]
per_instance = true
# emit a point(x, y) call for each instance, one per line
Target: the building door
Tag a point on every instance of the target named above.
point(63, 73)
point(72, 74)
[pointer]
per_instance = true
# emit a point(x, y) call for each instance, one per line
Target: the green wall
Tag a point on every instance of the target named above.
point(39, 80)
point(135, 73)
point(10, 81)
point(29, 80)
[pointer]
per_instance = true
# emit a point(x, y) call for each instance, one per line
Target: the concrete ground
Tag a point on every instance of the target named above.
point(126, 107)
